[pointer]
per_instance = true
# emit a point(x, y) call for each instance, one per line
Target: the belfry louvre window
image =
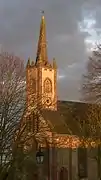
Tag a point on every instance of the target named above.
point(33, 85)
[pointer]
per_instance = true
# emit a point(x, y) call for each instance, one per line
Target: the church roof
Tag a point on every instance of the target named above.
point(70, 124)
point(69, 117)
point(56, 121)
point(61, 121)
point(72, 113)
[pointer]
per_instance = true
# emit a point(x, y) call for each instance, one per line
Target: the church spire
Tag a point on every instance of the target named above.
point(42, 43)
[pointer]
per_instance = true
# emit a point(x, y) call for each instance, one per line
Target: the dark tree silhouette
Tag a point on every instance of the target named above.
point(91, 80)
point(12, 103)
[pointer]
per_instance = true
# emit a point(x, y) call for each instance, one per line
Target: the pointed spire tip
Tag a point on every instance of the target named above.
point(54, 63)
point(28, 62)
point(42, 12)
point(42, 43)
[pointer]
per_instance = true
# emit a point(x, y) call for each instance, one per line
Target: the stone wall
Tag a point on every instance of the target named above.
point(63, 161)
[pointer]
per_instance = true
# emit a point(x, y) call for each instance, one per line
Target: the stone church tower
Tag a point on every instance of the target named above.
point(41, 76)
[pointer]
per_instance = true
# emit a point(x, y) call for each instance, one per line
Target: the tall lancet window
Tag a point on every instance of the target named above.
point(47, 86)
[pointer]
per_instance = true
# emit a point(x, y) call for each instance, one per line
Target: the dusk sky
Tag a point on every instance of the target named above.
point(72, 28)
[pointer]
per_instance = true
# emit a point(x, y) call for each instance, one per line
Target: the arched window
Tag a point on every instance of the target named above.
point(47, 86)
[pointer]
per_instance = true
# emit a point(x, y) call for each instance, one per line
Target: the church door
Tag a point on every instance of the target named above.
point(63, 174)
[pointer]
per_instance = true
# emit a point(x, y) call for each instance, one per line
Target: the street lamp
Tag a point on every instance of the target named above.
point(40, 156)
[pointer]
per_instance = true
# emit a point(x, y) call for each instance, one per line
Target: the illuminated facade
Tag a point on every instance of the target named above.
point(51, 122)
point(41, 87)
point(42, 75)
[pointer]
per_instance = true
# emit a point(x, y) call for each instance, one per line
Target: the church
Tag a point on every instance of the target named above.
point(49, 122)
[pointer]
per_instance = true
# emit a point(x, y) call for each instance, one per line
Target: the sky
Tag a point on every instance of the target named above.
point(73, 27)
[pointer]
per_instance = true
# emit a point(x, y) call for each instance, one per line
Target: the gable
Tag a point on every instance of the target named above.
point(67, 124)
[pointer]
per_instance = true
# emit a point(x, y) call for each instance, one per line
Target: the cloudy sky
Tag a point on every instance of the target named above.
point(72, 28)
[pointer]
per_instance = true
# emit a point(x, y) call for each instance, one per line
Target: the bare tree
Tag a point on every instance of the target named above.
point(91, 80)
point(12, 103)
point(91, 93)
point(16, 121)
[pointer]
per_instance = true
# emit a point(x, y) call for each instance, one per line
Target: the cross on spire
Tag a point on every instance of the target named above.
point(43, 12)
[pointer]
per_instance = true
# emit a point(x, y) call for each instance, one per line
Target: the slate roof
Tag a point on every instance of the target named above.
point(74, 113)
point(56, 121)
point(67, 118)
point(60, 120)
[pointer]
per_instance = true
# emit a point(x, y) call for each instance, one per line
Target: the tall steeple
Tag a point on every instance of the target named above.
point(42, 43)
point(41, 76)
